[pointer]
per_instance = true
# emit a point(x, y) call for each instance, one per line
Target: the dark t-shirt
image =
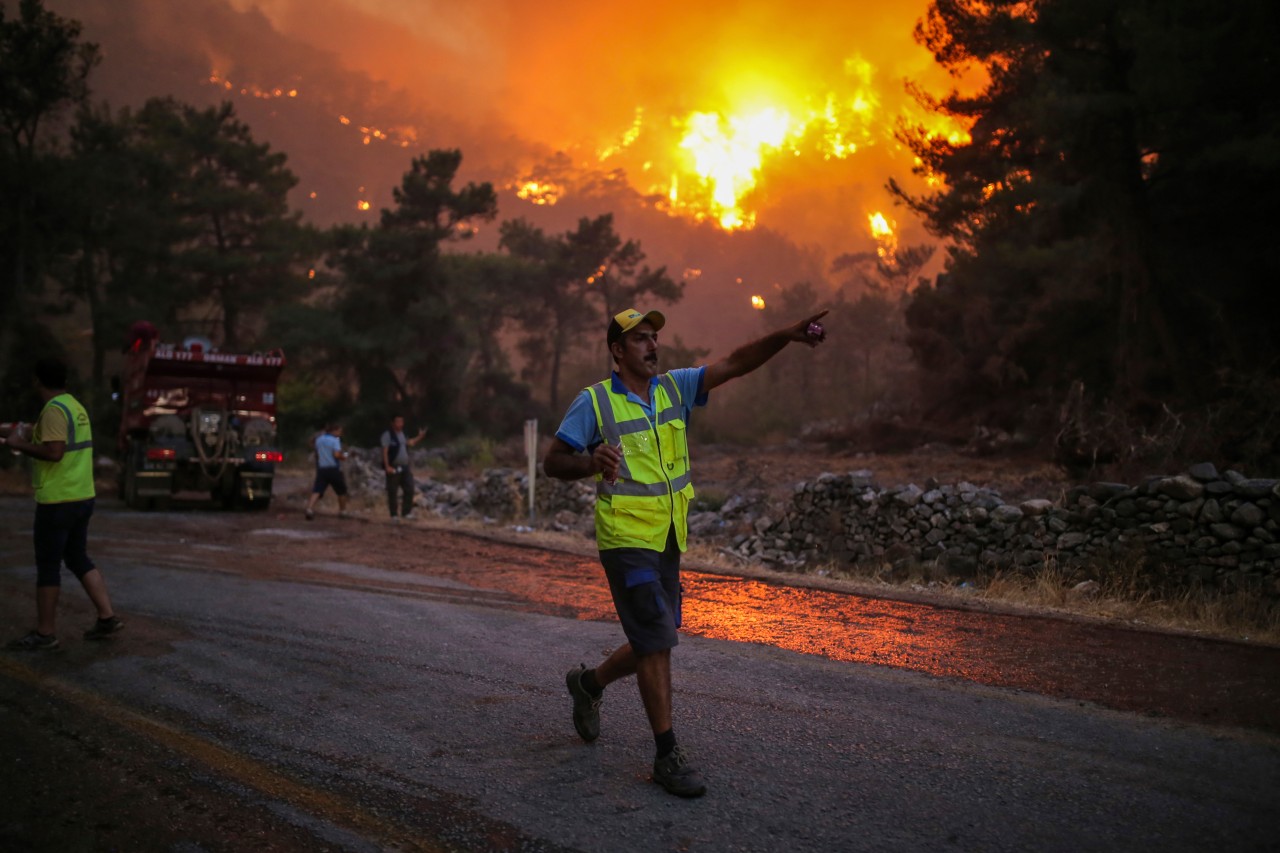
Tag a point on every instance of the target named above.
point(397, 457)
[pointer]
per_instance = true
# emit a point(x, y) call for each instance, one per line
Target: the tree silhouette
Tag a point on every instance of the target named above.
point(576, 282)
point(44, 71)
point(404, 330)
point(1106, 216)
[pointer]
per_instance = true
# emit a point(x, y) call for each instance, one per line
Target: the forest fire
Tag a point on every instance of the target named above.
point(779, 119)
point(709, 163)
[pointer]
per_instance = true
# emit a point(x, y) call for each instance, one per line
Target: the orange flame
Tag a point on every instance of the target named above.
point(400, 136)
point(540, 192)
point(882, 231)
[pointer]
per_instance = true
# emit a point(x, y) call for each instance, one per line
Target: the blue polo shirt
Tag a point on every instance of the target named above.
point(325, 447)
point(579, 429)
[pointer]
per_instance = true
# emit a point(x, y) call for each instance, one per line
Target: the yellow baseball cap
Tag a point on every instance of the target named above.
point(625, 321)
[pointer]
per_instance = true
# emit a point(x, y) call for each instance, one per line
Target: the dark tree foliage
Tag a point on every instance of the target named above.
point(120, 229)
point(235, 248)
point(177, 216)
point(489, 290)
point(44, 71)
point(405, 318)
point(1108, 222)
point(574, 283)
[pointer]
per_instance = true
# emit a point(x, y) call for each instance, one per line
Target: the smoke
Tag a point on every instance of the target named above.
point(352, 89)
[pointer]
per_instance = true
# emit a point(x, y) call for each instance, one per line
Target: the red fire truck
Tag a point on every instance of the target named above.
point(197, 422)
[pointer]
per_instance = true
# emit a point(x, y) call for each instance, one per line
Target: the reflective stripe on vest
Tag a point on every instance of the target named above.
point(654, 483)
point(70, 478)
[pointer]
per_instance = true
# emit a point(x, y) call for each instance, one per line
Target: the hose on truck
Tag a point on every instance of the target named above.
point(215, 454)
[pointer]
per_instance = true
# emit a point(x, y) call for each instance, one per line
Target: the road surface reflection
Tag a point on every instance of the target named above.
point(1149, 672)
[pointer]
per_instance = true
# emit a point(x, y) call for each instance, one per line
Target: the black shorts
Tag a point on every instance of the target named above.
point(326, 477)
point(61, 534)
point(645, 586)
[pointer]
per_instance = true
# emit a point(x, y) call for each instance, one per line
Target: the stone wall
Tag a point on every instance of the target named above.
point(1200, 526)
point(496, 495)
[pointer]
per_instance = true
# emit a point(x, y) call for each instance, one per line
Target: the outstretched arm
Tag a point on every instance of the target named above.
point(748, 357)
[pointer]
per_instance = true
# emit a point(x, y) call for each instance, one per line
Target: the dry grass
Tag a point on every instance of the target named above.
point(1124, 596)
point(1125, 593)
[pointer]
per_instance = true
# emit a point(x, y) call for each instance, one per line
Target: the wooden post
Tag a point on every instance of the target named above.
point(531, 448)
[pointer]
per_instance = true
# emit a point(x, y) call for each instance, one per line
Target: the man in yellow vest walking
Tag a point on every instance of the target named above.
point(61, 447)
point(629, 432)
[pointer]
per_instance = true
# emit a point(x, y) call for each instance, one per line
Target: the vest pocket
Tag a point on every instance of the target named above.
point(639, 515)
point(677, 448)
point(682, 499)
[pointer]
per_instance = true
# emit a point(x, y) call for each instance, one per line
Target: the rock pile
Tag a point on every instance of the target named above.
point(1201, 526)
point(498, 494)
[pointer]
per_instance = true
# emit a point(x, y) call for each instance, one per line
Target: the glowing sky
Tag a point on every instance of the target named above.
point(632, 81)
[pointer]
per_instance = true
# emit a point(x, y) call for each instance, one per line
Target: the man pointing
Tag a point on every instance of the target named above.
point(629, 432)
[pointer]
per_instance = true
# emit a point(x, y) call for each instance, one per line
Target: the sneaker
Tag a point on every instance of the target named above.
point(34, 642)
point(586, 708)
point(311, 515)
point(409, 516)
point(104, 628)
point(674, 773)
point(395, 519)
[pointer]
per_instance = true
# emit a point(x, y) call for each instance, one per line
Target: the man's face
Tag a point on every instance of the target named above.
point(397, 424)
point(638, 350)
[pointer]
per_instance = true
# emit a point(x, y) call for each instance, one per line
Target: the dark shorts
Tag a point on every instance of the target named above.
point(61, 534)
point(326, 477)
point(645, 586)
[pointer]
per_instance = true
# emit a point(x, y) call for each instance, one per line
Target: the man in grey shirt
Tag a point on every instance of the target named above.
point(395, 461)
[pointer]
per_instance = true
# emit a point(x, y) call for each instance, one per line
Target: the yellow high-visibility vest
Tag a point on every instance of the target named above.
point(71, 478)
point(654, 485)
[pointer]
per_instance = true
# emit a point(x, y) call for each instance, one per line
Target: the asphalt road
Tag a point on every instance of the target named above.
point(269, 695)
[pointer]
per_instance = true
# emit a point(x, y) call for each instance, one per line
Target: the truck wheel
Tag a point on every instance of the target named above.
point(224, 496)
point(129, 490)
point(258, 504)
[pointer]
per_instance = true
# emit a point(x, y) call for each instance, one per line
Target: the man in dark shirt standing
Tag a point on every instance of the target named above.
point(395, 461)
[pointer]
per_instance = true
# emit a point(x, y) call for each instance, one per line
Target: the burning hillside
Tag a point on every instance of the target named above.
point(722, 120)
